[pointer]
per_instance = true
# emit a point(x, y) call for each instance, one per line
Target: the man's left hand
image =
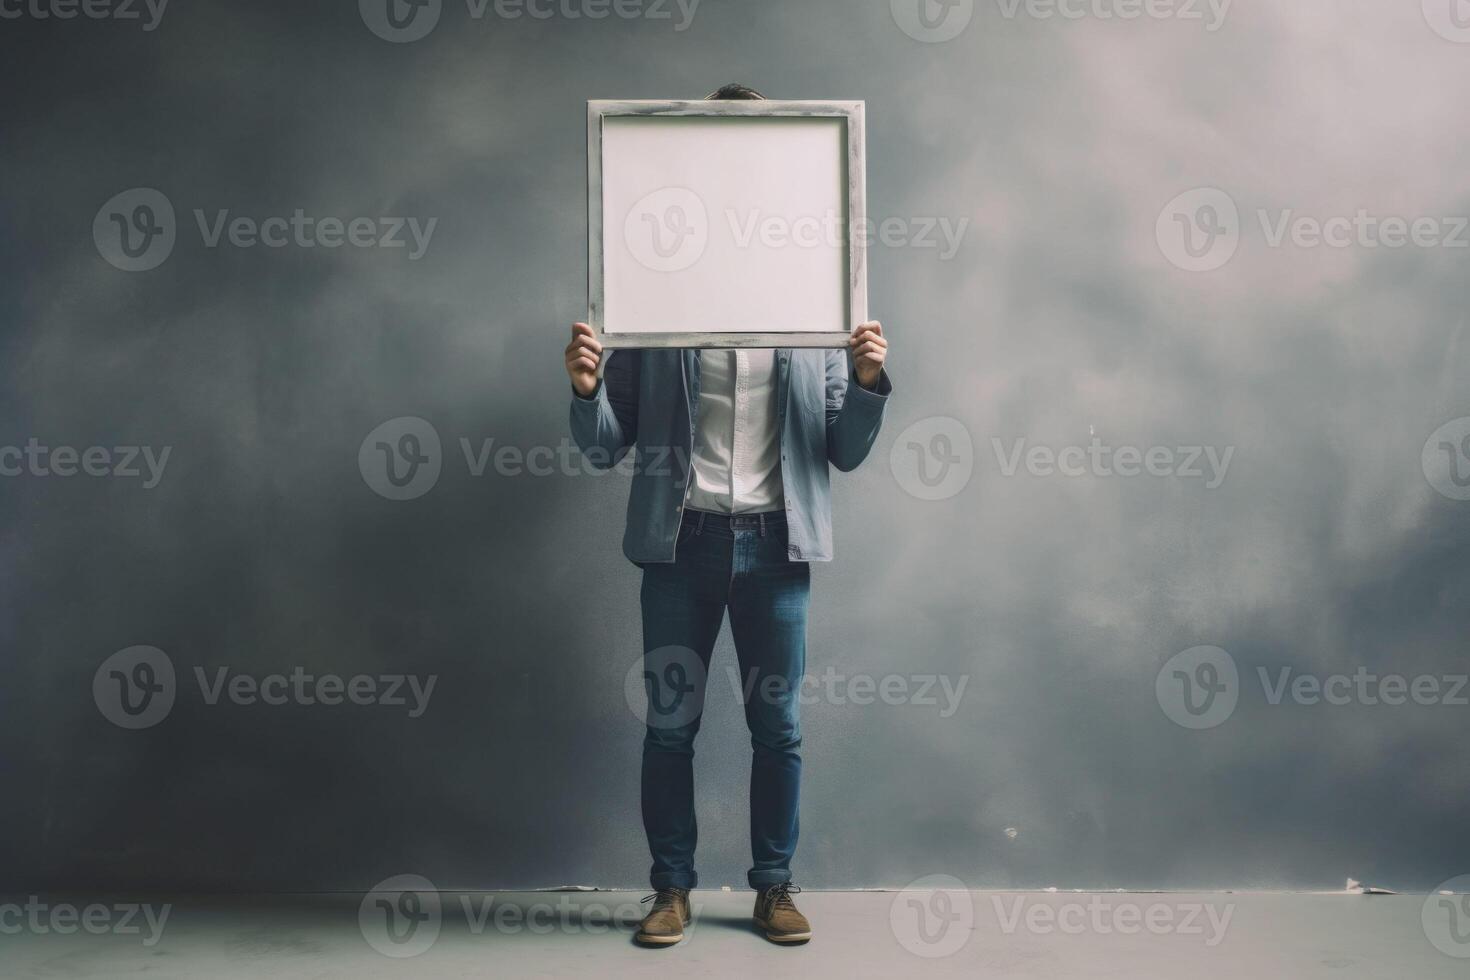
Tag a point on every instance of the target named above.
point(869, 350)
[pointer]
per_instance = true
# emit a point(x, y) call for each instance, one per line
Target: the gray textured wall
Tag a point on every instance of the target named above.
point(1063, 316)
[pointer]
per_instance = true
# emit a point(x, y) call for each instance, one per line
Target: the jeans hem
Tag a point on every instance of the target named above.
point(671, 879)
point(761, 880)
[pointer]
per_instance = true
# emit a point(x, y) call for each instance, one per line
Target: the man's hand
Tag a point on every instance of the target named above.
point(583, 354)
point(869, 350)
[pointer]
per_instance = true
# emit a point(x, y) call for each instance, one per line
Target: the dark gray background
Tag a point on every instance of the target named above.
point(263, 549)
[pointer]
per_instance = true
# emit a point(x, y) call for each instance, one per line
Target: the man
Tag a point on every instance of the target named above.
point(730, 502)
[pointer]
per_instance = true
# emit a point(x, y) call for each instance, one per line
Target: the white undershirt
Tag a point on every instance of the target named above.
point(737, 443)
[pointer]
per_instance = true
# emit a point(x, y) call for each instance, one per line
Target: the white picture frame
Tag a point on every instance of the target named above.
point(764, 203)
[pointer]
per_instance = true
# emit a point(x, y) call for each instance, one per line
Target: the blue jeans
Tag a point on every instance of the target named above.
point(737, 564)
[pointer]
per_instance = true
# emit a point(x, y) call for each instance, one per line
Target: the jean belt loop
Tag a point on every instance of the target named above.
point(763, 525)
point(700, 529)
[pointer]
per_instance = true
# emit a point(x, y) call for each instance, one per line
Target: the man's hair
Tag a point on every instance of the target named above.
point(735, 91)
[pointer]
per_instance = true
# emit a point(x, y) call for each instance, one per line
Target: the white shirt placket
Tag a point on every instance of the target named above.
point(740, 436)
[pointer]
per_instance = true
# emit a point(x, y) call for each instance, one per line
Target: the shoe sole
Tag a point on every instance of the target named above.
point(643, 940)
point(784, 938)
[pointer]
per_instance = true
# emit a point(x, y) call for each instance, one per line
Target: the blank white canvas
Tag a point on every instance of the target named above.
point(768, 195)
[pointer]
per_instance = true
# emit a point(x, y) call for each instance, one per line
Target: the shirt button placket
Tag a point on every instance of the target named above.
point(737, 446)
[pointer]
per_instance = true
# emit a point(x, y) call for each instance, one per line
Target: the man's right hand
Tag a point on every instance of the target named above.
point(583, 355)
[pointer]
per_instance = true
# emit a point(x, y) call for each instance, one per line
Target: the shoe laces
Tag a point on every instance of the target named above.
point(780, 895)
point(662, 899)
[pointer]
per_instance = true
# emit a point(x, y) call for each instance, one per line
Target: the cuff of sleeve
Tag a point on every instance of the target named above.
point(591, 399)
point(876, 396)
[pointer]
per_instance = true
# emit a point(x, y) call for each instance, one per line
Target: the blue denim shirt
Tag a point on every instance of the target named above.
point(648, 402)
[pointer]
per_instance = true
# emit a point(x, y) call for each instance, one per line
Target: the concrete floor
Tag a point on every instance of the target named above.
point(864, 934)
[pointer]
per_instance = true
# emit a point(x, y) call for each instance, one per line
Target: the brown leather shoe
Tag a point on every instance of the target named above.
point(776, 915)
point(665, 922)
